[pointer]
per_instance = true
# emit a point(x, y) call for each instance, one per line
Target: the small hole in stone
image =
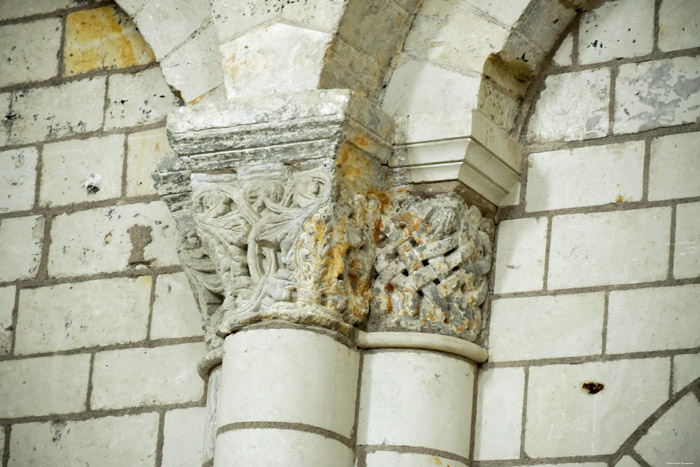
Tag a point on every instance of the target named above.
point(92, 189)
point(592, 387)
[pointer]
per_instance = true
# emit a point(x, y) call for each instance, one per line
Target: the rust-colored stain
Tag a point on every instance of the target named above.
point(592, 387)
point(103, 38)
point(361, 141)
point(353, 165)
point(620, 199)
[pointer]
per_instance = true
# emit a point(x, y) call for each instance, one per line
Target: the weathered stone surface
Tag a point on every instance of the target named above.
point(674, 168)
point(563, 55)
point(102, 38)
point(679, 25)
point(182, 437)
point(144, 150)
point(7, 305)
point(20, 8)
point(686, 262)
point(398, 459)
point(21, 239)
point(28, 51)
point(520, 255)
point(5, 100)
point(175, 312)
point(686, 368)
point(17, 179)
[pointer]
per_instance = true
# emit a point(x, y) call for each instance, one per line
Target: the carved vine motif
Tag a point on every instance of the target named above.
point(432, 261)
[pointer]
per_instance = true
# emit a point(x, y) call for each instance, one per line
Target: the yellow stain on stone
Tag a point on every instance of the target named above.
point(103, 38)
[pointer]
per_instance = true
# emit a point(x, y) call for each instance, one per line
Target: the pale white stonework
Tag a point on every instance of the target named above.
point(108, 442)
point(182, 436)
point(546, 327)
point(609, 248)
point(5, 100)
point(674, 168)
point(686, 262)
point(679, 25)
point(562, 56)
point(686, 368)
point(659, 318)
point(144, 150)
point(520, 252)
point(627, 461)
point(82, 170)
point(20, 247)
point(29, 51)
point(397, 459)
point(7, 305)
point(19, 8)
point(86, 314)
point(499, 409)
point(17, 179)
point(175, 312)
point(563, 419)
point(585, 176)
point(163, 375)
point(26, 383)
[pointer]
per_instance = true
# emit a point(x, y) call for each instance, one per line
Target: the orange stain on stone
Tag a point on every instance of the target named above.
point(103, 38)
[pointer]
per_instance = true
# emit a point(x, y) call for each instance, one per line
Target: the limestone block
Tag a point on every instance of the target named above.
point(57, 111)
point(572, 106)
point(27, 383)
point(585, 176)
point(624, 28)
point(85, 314)
point(108, 442)
point(102, 38)
point(674, 168)
point(621, 247)
point(422, 399)
point(2, 441)
point(546, 327)
point(175, 312)
point(28, 51)
point(686, 263)
point(163, 375)
point(561, 413)
point(182, 437)
point(627, 461)
point(196, 66)
point(563, 55)
point(21, 239)
point(674, 435)
point(660, 318)
point(686, 368)
point(7, 305)
point(499, 409)
point(17, 179)
point(679, 25)
point(81, 171)
point(520, 252)
point(112, 239)
point(494, 8)
point(251, 447)
point(657, 94)
point(19, 8)
point(144, 149)
point(5, 100)
point(401, 459)
point(324, 15)
point(131, 7)
point(289, 376)
point(138, 99)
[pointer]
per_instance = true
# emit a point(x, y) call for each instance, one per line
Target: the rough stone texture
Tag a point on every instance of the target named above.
point(624, 28)
point(556, 400)
point(20, 247)
point(563, 55)
point(686, 368)
point(82, 170)
point(640, 255)
point(182, 436)
point(397, 459)
point(107, 442)
point(145, 148)
point(138, 99)
point(19, 8)
point(86, 314)
point(17, 179)
point(175, 312)
point(572, 106)
point(112, 239)
point(546, 327)
point(5, 100)
point(653, 319)
point(163, 375)
point(627, 461)
point(520, 255)
point(657, 94)
point(29, 51)
point(58, 111)
point(102, 38)
point(585, 176)
point(26, 382)
point(674, 168)
point(679, 25)
point(7, 305)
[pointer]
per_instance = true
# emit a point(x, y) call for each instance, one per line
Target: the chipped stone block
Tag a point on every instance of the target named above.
point(686, 263)
point(21, 239)
point(7, 306)
point(621, 247)
point(28, 51)
point(19, 8)
point(85, 314)
point(686, 368)
point(131, 7)
point(108, 442)
point(563, 55)
point(27, 383)
point(657, 94)
point(659, 318)
point(572, 106)
point(561, 413)
point(585, 176)
point(624, 28)
point(138, 99)
point(6, 117)
point(57, 111)
point(404, 459)
point(679, 25)
point(499, 413)
point(532, 328)
point(17, 179)
point(163, 375)
point(182, 437)
point(520, 255)
point(674, 168)
point(81, 171)
point(175, 312)
point(112, 239)
point(102, 38)
point(145, 149)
